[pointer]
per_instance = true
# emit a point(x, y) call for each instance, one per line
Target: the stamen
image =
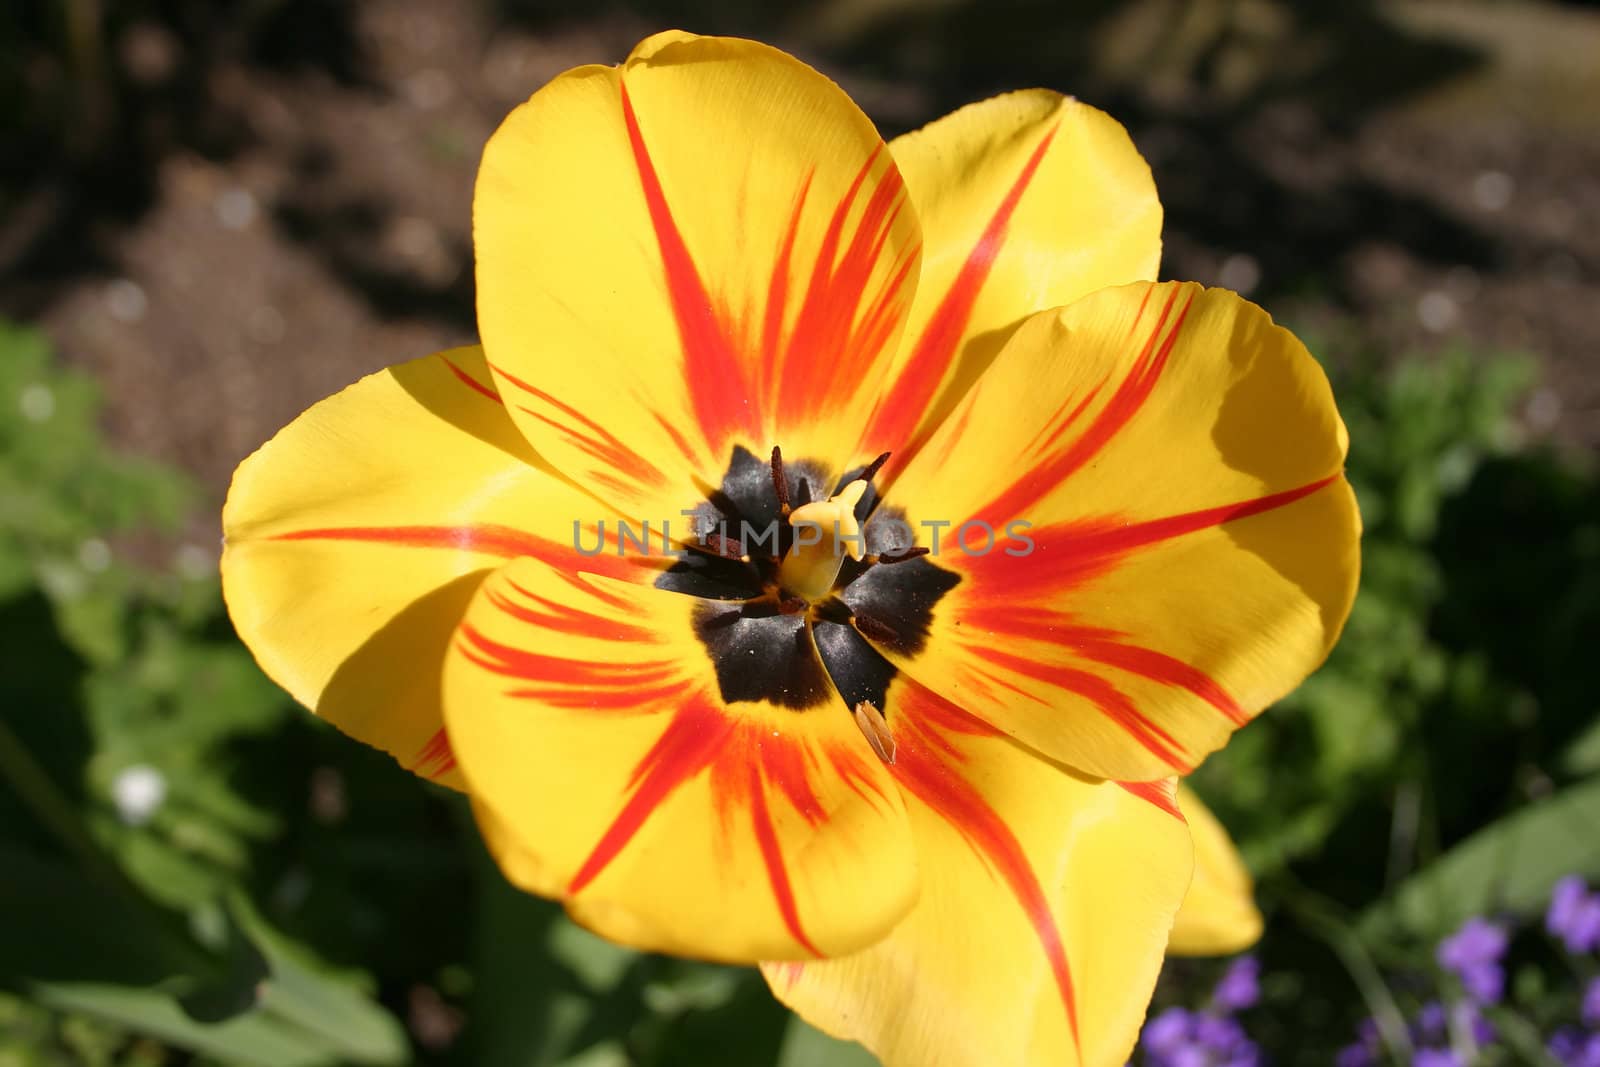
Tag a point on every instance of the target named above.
point(875, 630)
point(874, 467)
point(725, 547)
point(780, 484)
point(904, 554)
point(791, 605)
point(875, 728)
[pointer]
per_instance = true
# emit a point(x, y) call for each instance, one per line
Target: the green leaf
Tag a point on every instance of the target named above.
point(254, 1039)
point(1583, 755)
point(81, 946)
point(1510, 865)
point(328, 1005)
point(806, 1046)
point(62, 925)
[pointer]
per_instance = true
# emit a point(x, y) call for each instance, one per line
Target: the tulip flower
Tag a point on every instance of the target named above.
point(965, 538)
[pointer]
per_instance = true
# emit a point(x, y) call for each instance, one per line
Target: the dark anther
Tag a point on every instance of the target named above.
point(875, 728)
point(874, 630)
point(904, 554)
point(726, 547)
point(791, 605)
point(874, 467)
point(780, 484)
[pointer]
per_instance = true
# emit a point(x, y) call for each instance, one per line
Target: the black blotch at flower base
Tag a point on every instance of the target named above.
point(763, 642)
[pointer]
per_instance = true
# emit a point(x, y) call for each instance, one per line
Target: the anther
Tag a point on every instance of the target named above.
point(780, 484)
point(875, 728)
point(725, 547)
point(874, 630)
point(874, 467)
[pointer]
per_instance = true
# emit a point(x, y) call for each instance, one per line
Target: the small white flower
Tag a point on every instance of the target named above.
point(38, 403)
point(138, 791)
point(94, 555)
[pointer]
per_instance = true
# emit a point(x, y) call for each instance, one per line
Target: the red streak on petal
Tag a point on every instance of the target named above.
point(491, 539)
point(854, 773)
point(773, 352)
point(772, 857)
point(566, 618)
point(788, 971)
point(745, 763)
point(1101, 539)
point(787, 765)
point(1074, 552)
point(563, 681)
point(927, 765)
point(1165, 669)
point(1138, 316)
point(594, 439)
point(687, 747)
point(1101, 692)
point(487, 538)
point(678, 439)
point(472, 382)
point(1011, 622)
point(1163, 794)
point(1043, 477)
point(834, 339)
point(436, 757)
point(900, 410)
point(711, 366)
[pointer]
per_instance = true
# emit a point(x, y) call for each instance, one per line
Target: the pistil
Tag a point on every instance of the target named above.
point(824, 531)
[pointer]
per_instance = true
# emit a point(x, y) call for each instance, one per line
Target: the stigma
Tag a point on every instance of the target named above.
point(825, 530)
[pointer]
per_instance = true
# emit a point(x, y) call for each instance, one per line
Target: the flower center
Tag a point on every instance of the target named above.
point(799, 585)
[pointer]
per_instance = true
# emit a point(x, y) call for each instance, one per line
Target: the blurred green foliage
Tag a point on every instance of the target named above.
point(285, 897)
point(1441, 764)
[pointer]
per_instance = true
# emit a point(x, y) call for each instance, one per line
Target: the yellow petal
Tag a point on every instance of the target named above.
point(706, 247)
point(1042, 920)
point(1191, 548)
point(1027, 201)
point(609, 773)
point(355, 538)
point(1219, 916)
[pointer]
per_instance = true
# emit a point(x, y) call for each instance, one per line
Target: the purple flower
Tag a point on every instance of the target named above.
point(1568, 893)
point(1473, 955)
point(1468, 1017)
point(1239, 987)
point(1566, 1044)
point(1435, 1057)
point(1179, 1038)
point(1478, 941)
point(1583, 933)
point(1166, 1033)
point(1591, 1003)
point(1572, 1048)
point(1574, 915)
point(1485, 983)
point(1355, 1056)
point(1219, 1033)
point(1246, 1055)
point(1430, 1022)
